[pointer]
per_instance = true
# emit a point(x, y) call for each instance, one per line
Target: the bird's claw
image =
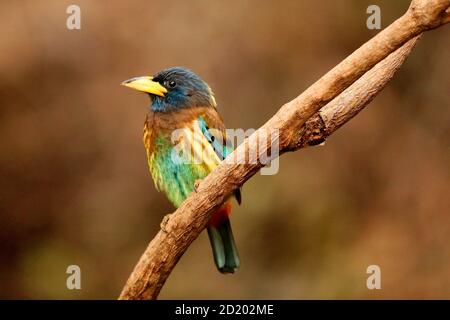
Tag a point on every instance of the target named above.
point(196, 184)
point(164, 222)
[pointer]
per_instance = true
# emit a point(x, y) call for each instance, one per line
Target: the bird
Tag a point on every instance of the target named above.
point(181, 101)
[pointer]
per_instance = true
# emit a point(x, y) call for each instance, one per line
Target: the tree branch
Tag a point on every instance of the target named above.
point(351, 101)
point(295, 131)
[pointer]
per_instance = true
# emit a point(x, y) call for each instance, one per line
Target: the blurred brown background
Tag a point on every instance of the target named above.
point(74, 185)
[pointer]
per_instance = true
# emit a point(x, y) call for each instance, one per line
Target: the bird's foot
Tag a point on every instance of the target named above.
point(196, 184)
point(164, 222)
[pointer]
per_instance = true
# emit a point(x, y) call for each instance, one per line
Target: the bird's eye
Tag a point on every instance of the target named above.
point(172, 84)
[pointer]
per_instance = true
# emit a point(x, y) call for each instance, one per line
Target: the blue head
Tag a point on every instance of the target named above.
point(173, 89)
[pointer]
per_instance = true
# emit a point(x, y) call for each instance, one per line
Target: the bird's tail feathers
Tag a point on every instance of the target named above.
point(221, 237)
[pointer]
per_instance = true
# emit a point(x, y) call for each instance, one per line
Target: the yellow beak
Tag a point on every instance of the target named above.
point(145, 84)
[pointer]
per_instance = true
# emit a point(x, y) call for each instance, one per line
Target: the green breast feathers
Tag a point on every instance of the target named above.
point(183, 148)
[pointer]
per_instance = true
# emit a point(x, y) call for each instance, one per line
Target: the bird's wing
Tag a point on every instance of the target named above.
point(216, 139)
point(213, 130)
